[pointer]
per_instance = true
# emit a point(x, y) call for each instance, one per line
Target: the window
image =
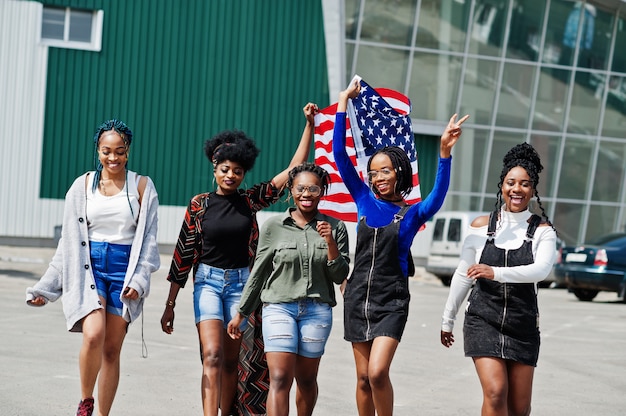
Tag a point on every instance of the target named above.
point(438, 231)
point(71, 28)
point(454, 230)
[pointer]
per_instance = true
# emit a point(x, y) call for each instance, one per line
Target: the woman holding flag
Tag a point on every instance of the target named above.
point(376, 296)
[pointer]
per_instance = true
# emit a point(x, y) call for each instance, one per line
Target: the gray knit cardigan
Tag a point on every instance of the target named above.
point(69, 273)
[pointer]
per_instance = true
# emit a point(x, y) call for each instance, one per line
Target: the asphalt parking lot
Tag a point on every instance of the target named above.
point(581, 369)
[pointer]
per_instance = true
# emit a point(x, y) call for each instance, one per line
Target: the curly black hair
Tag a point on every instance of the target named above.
point(525, 156)
point(233, 145)
point(401, 164)
point(312, 168)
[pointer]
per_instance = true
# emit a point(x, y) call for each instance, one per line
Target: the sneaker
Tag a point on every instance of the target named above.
point(85, 407)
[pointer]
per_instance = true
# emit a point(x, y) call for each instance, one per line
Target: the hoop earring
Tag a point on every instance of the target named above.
point(213, 183)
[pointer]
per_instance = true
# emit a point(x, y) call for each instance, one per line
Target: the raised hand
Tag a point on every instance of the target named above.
point(451, 134)
point(310, 110)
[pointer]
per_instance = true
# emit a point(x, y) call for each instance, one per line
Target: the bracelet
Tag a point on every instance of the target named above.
point(171, 303)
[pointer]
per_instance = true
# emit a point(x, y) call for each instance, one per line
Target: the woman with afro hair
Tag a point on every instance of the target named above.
point(504, 255)
point(218, 240)
point(103, 262)
point(376, 297)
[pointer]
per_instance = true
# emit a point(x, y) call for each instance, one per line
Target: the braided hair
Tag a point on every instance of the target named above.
point(402, 166)
point(312, 168)
point(526, 157)
point(127, 137)
point(233, 145)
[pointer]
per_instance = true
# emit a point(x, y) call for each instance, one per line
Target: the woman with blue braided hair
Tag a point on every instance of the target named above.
point(103, 261)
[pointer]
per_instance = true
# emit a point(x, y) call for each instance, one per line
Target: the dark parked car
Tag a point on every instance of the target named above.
point(599, 265)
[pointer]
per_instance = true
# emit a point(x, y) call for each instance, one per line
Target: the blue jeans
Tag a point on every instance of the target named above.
point(109, 263)
point(300, 327)
point(217, 293)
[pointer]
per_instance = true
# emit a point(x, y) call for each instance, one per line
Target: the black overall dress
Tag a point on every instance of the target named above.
point(376, 298)
point(502, 319)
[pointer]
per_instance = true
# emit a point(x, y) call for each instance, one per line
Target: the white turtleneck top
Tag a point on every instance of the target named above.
point(510, 235)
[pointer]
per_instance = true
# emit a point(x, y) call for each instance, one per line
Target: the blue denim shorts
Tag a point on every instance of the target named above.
point(109, 263)
point(300, 327)
point(217, 293)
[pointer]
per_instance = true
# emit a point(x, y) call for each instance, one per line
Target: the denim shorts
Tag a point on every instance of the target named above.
point(300, 327)
point(109, 263)
point(217, 293)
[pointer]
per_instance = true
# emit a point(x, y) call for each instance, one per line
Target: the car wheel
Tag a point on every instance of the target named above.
point(585, 295)
point(446, 280)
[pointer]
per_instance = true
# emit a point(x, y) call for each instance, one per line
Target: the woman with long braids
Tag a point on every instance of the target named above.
point(103, 262)
point(301, 254)
point(218, 240)
point(504, 256)
point(376, 297)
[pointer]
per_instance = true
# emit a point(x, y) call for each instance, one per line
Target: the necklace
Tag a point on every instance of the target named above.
point(103, 188)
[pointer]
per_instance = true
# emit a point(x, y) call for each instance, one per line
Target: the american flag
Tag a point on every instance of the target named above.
point(376, 118)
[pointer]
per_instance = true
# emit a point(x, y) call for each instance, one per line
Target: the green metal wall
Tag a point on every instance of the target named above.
point(178, 72)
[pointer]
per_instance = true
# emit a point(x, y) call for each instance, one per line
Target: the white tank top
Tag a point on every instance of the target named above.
point(109, 218)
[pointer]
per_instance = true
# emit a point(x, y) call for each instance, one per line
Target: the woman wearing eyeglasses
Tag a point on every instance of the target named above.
point(300, 255)
point(376, 297)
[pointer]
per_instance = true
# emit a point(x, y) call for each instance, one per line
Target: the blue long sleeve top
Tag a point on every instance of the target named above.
point(379, 213)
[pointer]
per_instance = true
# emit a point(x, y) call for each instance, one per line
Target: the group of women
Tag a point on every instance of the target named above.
point(279, 282)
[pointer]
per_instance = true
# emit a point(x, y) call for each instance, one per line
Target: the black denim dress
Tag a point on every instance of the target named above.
point(502, 319)
point(376, 298)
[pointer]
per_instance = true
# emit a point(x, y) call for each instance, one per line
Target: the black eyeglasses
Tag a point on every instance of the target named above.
point(314, 190)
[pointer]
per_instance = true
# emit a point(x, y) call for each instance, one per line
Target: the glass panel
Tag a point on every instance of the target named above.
point(602, 220)
point(567, 219)
point(389, 21)
point(382, 67)
point(517, 85)
point(489, 204)
point(615, 109)
point(488, 24)
point(350, 47)
point(548, 149)
point(52, 23)
point(442, 25)
point(455, 202)
point(525, 32)
point(469, 163)
point(352, 18)
point(554, 49)
point(434, 86)
point(535, 207)
point(608, 181)
point(551, 97)
point(574, 178)
point(597, 37)
point(585, 109)
point(619, 58)
point(479, 90)
point(80, 26)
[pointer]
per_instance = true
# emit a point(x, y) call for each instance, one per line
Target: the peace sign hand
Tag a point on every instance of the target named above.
point(450, 135)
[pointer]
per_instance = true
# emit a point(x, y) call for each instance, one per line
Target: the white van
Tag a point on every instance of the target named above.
point(449, 231)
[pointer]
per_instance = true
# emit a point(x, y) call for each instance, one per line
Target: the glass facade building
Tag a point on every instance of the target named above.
point(551, 73)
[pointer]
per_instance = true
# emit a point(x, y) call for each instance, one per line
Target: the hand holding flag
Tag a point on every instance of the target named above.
point(376, 118)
